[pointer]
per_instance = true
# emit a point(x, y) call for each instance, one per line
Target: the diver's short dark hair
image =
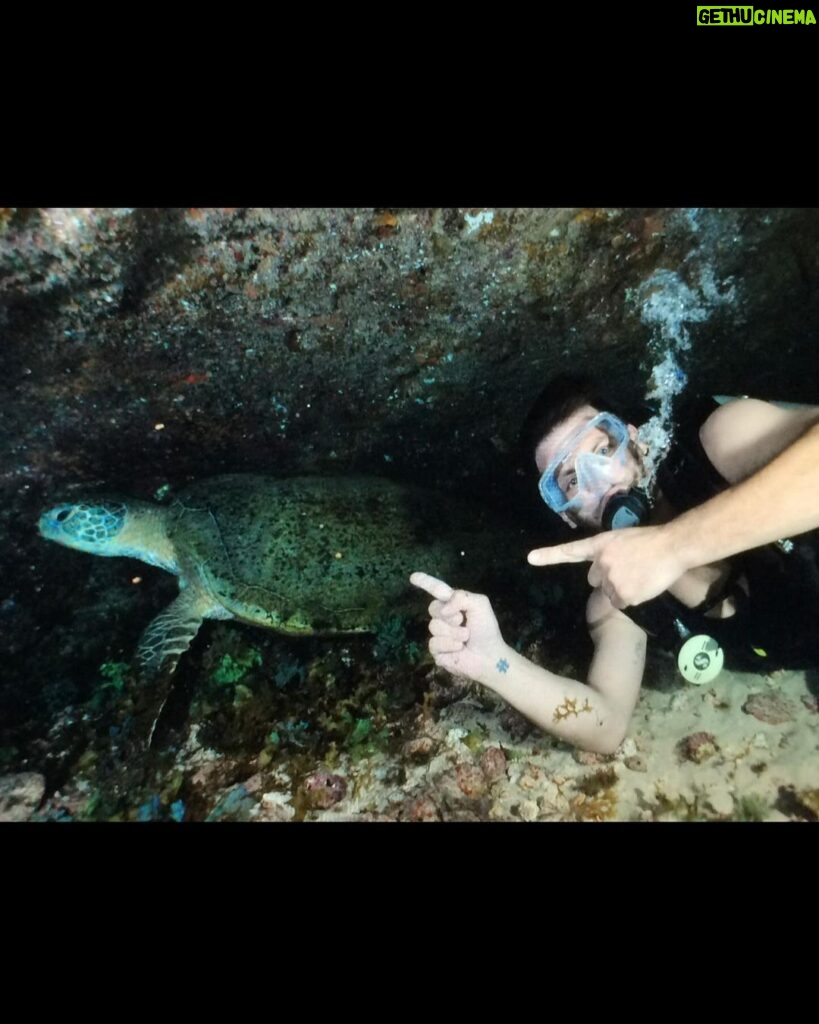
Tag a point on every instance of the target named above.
point(561, 397)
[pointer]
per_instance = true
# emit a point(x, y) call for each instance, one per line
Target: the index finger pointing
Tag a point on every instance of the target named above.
point(575, 551)
point(432, 585)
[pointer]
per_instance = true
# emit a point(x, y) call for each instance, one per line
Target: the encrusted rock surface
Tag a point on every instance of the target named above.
point(770, 707)
point(698, 747)
point(20, 795)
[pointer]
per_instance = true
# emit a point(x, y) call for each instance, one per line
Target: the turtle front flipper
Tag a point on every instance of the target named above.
point(169, 635)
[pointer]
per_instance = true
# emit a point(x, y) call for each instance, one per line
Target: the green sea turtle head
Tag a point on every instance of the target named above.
point(94, 526)
point(110, 526)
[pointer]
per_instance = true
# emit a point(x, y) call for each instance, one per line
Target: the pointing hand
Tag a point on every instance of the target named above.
point(630, 566)
point(466, 638)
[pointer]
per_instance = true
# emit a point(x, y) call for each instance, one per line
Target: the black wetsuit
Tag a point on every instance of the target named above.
point(776, 625)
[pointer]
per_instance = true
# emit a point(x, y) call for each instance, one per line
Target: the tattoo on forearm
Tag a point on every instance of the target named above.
point(569, 707)
point(502, 665)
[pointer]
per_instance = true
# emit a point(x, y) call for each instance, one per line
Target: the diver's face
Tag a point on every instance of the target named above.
point(587, 483)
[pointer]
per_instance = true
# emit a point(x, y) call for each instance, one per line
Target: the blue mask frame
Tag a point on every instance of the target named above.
point(590, 468)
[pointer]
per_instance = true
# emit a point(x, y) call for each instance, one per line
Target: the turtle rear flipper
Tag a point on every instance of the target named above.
point(169, 635)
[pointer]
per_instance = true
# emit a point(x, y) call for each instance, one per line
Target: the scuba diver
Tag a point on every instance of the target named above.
point(706, 547)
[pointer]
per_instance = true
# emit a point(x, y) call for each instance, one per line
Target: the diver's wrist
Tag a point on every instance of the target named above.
point(683, 542)
point(497, 665)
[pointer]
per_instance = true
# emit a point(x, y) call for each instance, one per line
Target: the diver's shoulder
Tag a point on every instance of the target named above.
point(744, 434)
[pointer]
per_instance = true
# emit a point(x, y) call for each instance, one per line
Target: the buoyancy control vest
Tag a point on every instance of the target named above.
point(776, 623)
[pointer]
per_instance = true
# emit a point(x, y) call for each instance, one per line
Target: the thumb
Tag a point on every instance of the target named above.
point(576, 551)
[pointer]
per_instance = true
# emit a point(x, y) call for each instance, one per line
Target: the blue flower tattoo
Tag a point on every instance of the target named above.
point(502, 665)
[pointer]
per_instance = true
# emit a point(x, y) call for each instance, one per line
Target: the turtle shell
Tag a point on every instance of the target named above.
point(316, 554)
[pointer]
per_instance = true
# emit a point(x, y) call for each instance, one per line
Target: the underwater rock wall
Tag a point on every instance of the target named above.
point(145, 345)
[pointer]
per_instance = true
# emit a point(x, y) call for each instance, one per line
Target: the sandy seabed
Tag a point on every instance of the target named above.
point(744, 747)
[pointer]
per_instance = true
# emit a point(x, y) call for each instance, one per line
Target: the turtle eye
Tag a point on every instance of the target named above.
point(63, 514)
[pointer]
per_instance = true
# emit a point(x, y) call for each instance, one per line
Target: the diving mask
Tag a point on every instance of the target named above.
point(589, 463)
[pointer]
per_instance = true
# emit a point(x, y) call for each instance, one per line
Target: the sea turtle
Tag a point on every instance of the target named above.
point(301, 555)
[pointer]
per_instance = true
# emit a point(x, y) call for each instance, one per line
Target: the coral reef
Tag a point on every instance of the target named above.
point(421, 808)
point(698, 747)
point(751, 807)
point(596, 799)
point(636, 763)
point(493, 763)
point(324, 789)
point(772, 708)
point(471, 780)
point(20, 795)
